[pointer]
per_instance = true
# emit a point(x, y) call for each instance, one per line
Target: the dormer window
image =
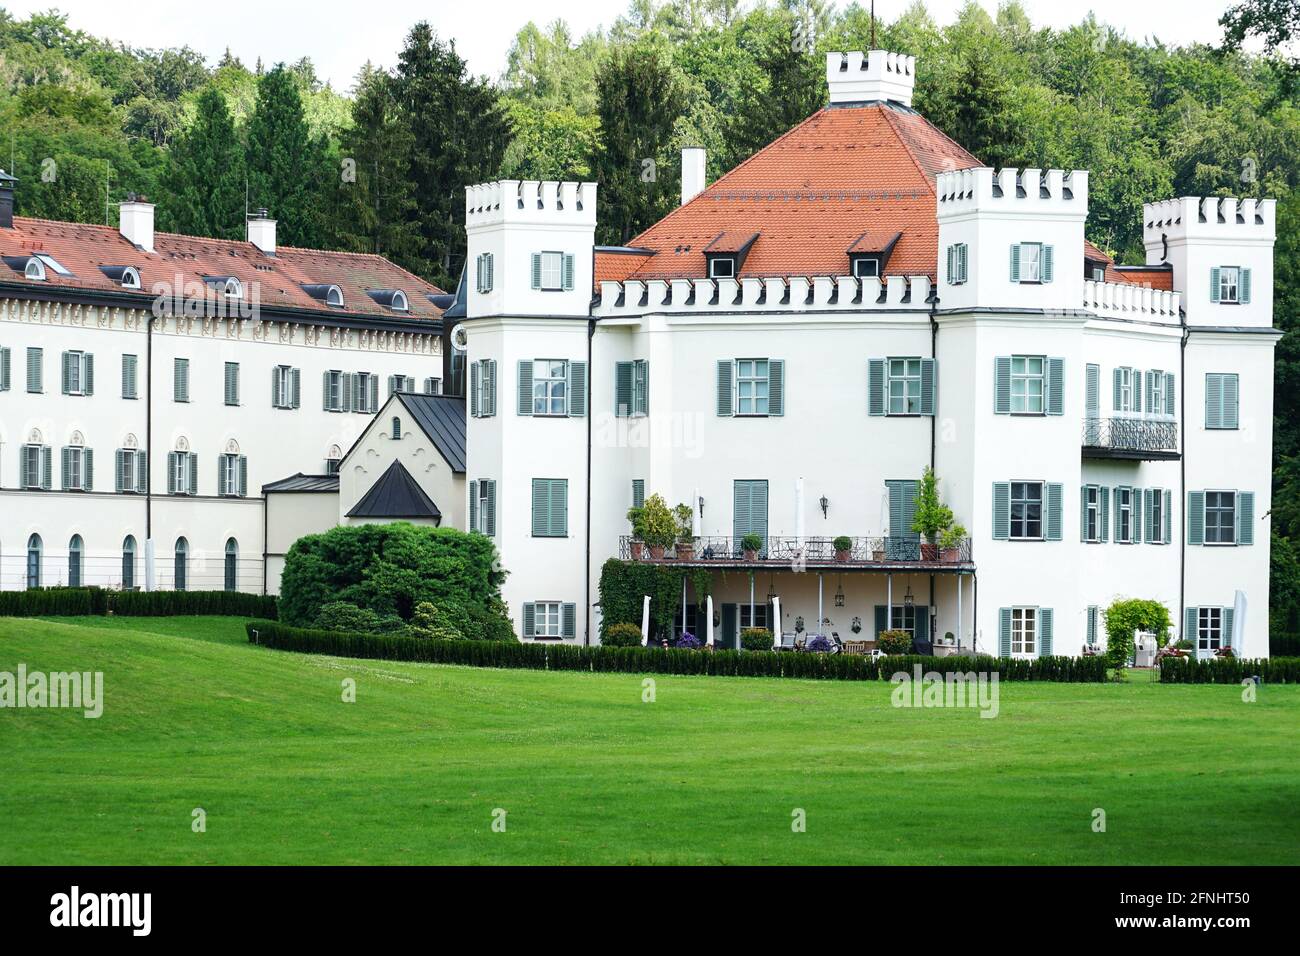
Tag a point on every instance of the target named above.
point(866, 267)
point(722, 267)
point(234, 288)
point(331, 295)
point(394, 299)
point(128, 277)
point(726, 254)
point(399, 302)
point(334, 297)
point(35, 270)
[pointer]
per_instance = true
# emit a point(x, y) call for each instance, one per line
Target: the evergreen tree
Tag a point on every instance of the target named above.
point(205, 175)
point(285, 166)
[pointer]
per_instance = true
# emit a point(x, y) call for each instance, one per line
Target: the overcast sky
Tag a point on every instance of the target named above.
point(341, 35)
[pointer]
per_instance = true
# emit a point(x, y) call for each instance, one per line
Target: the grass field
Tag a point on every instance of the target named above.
point(587, 773)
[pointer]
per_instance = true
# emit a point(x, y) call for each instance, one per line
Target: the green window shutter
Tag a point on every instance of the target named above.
point(577, 389)
point(171, 472)
point(929, 385)
point(1103, 498)
point(1169, 393)
point(1149, 381)
point(1116, 386)
point(393, 384)
point(725, 368)
point(295, 387)
point(961, 262)
point(560, 508)
point(1045, 273)
point(119, 469)
point(1092, 624)
point(181, 380)
point(1214, 284)
point(1136, 498)
point(622, 389)
point(4, 369)
point(541, 508)
point(1226, 637)
point(490, 392)
point(525, 398)
point(569, 615)
point(194, 473)
point(1054, 495)
point(876, 386)
point(1214, 400)
point(128, 376)
point(473, 496)
point(88, 374)
point(1001, 510)
point(490, 507)
point(325, 391)
point(1045, 622)
point(1004, 631)
point(1056, 386)
point(537, 270)
point(749, 514)
point(1243, 293)
point(1015, 262)
point(373, 405)
point(642, 401)
point(1166, 514)
point(638, 492)
point(1196, 517)
point(1092, 391)
point(948, 274)
point(1002, 383)
point(66, 462)
point(35, 359)
point(1245, 517)
point(1189, 625)
point(1230, 418)
point(66, 379)
point(46, 477)
point(776, 387)
point(1083, 513)
point(88, 469)
point(243, 476)
point(474, 410)
point(142, 476)
point(278, 398)
point(1152, 534)
point(232, 383)
point(530, 617)
point(568, 271)
point(222, 487)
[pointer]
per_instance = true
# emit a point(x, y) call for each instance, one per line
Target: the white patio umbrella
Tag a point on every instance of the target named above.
point(708, 610)
point(776, 621)
point(1238, 621)
point(645, 621)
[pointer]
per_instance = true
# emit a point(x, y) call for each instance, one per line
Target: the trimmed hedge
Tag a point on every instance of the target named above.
point(1229, 670)
point(656, 660)
point(1284, 645)
point(79, 602)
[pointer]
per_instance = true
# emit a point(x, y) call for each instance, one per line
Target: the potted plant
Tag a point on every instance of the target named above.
point(932, 517)
point(950, 543)
point(751, 544)
point(658, 526)
point(685, 539)
point(896, 642)
point(637, 544)
point(843, 546)
point(756, 639)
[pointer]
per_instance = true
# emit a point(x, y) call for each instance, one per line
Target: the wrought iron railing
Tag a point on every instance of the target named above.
point(791, 551)
point(1130, 434)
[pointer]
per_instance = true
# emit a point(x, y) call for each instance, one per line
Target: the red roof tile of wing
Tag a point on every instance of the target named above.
point(1162, 279)
point(82, 249)
point(617, 266)
point(1091, 251)
point(811, 193)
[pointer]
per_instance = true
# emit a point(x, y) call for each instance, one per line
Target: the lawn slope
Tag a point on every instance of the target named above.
point(586, 772)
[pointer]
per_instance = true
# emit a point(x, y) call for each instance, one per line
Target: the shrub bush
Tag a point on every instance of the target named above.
point(342, 616)
point(621, 635)
point(389, 569)
point(689, 642)
point(1125, 617)
point(751, 542)
point(428, 622)
point(842, 543)
point(37, 601)
point(83, 601)
point(895, 642)
point(756, 639)
point(1229, 670)
point(656, 660)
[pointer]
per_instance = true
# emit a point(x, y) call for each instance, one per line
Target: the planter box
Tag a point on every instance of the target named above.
point(751, 555)
point(950, 555)
point(685, 552)
point(929, 552)
point(656, 552)
point(638, 550)
point(843, 556)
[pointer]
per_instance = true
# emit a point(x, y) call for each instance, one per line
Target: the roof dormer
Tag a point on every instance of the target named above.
point(331, 295)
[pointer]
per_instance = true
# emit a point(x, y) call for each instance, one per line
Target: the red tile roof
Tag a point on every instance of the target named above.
point(842, 172)
point(82, 249)
point(1156, 278)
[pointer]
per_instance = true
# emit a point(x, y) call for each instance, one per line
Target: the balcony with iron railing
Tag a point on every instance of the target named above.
point(1137, 439)
point(883, 553)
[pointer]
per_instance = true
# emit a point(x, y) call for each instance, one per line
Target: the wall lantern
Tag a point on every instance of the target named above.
point(825, 503)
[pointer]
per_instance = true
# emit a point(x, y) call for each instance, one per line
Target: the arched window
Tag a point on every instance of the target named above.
point(74, 562)
point(35, 270)
point(333, 459)
point(232, 564)
point(334, 296)
point(234, 289)
point(128, 563)
point(34, 561)
point(399, 301)
point(130, 278)
point(397, 427)
point(181, 565)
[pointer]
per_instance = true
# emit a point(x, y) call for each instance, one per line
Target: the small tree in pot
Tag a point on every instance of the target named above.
point(895, 642)
point(751, 544)
point(685, 538)
point(932, 516)
point(843, 546)
point(756, 639)
point(950, 543)
point(658, 526)
point(637, 544)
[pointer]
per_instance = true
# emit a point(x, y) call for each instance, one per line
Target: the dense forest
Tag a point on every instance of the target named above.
point(382, 166)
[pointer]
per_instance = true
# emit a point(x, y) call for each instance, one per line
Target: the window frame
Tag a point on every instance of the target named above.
point(906, 379)
point(716, 261)
point(1209, 628)
point(1026, 521)
point(1092, 514)
point(754, 380)
point(543, 270)
point(546, 384)
point(1219, 511)
point(540, 631)
point(1026, 378)
point(1124, 524)
point(860, 261)
point(1224, 286)
point(1028, 618)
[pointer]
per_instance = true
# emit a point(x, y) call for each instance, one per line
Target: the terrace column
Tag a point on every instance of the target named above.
point(960, 619)
point(889, 602)
point(820, 615)
point(751, 599)
point(683, 604)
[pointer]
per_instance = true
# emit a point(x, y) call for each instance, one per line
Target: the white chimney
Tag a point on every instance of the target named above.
point(135, 222)
point(261, 231)
point(876, 77)
point(692, 173)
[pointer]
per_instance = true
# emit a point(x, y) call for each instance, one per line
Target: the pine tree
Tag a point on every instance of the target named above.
point(205, 175)
point(285, 165)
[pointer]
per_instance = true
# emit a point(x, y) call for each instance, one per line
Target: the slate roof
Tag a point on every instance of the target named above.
point(395, 494)
point(281, 280)
point(303, 483)
point(442, 418)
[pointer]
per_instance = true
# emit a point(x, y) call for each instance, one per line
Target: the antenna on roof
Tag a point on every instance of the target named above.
point(873, 24)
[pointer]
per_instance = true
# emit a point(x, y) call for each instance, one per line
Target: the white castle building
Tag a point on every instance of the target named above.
point(788, 350)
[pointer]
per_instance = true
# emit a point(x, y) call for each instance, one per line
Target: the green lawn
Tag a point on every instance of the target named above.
point(709, 773)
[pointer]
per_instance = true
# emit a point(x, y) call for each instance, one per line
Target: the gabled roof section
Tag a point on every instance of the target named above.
point(395, 495)
point(812, 193)
point(281, 281)
point(442, 418)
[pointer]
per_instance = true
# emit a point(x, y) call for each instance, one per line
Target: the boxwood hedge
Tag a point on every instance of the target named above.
point(84, 601)
point(1229, 670)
